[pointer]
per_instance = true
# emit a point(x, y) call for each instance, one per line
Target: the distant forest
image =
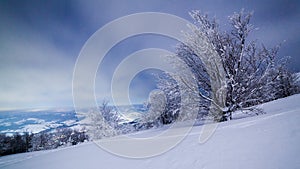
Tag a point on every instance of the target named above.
point(27, 142)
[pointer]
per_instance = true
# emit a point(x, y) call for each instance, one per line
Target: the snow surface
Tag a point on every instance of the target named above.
point(267, 141)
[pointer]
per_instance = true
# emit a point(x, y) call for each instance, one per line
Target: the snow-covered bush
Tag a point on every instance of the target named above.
point(102, 122)
point(156, 104)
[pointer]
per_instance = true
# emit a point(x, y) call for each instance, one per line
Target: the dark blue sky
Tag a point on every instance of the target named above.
point(40, 41)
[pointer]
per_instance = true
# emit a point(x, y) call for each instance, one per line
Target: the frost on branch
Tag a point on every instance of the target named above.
point(231, 71)
point(102, 122)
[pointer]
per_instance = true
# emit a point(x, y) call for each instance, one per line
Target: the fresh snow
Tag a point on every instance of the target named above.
point(267, 141)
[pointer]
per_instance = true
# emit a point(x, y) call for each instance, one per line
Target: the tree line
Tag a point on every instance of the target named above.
point(27, 142)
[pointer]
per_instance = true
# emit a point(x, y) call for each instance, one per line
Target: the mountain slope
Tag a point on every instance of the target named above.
point(266, 141)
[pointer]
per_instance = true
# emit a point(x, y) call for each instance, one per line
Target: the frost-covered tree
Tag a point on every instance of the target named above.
point(172, 98)
point(16, 143)
point(296, 82)
point(249, 73)
point(288, 83)
point(26, 142)
point(110, 114)
point(102, 122)
point(156, 105)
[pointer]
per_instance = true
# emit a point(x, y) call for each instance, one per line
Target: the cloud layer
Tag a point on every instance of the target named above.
point(40, 41)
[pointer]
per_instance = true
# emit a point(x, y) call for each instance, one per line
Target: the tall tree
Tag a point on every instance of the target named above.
point(251, 71)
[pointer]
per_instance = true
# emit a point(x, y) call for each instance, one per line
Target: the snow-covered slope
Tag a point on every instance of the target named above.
point(267, 141)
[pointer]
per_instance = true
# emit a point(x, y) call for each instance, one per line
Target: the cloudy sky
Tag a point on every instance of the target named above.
point(40, 41)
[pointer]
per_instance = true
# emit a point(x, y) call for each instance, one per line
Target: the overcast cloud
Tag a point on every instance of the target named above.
point(40, 41)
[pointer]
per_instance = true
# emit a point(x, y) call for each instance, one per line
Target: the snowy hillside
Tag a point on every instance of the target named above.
point(267, 141)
